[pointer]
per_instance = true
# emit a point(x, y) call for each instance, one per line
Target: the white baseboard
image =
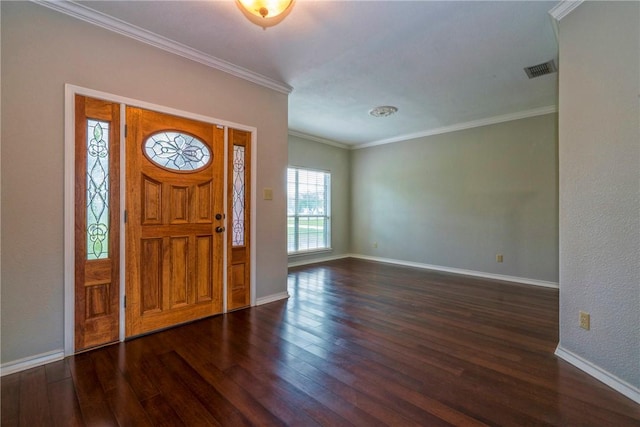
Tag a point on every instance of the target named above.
point(55, 355)
point(31, 362)
point(272, 298)
point(600, 374)
point(482, 274)
point(316, 260)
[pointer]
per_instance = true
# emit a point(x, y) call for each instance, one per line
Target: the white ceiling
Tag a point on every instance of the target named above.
point(441, 63)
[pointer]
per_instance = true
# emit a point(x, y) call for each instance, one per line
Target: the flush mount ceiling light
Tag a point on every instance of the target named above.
point(265, 13)
point(383, 111)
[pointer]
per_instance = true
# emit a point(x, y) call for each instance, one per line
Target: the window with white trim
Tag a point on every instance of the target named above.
point(308, 210)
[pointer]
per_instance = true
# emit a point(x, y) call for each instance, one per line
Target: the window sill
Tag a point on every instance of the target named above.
point(309, 252)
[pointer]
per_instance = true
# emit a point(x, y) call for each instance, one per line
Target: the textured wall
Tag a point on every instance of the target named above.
point(600, 185)
point(41, 51)
point(314, 155)
point(458, 199)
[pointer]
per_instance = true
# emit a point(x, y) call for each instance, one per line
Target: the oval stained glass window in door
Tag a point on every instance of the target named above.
point(177, 151)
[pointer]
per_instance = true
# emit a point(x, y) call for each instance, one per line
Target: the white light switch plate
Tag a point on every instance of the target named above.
point(267, 194)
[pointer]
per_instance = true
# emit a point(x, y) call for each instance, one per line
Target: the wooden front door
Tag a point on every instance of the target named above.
point(175, 221)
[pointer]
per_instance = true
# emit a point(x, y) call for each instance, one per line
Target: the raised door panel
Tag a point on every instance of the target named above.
point(203, 202)
point(179, 277)
point(151, 201)
point(151, 269)
point(239, 292)
point(178, 204)
point(97, 302)
point(203, 277)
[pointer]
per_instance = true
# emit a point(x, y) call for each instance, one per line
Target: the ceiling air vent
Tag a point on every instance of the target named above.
point(541, 69)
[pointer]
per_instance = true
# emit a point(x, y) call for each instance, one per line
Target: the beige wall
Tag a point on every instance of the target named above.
point(41, 51)
point(456, 200)
point(599, 133)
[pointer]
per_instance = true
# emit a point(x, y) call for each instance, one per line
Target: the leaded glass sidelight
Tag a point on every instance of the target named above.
point(177, 151)
point(238, 196)
point(97, 189)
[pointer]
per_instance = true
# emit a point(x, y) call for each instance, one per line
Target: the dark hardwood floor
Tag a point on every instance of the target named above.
point(358, 343)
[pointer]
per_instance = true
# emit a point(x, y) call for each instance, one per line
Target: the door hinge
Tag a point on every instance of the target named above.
point(125, 301)
point(125, 216)
point(125, 131)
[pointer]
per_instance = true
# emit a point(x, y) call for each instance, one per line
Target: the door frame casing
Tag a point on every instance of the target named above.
point(69, 198)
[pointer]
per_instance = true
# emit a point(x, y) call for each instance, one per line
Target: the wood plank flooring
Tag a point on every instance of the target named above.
point(358, 343)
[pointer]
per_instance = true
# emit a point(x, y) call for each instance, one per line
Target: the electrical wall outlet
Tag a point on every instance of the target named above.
point(585, 320)
point(499, 258)
point(375, 244)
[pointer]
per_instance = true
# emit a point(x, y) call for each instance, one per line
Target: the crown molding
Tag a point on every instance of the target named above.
point(564, 8)
point(561, 10)
point(462, 126)
point(318, 139)
point(99, 19)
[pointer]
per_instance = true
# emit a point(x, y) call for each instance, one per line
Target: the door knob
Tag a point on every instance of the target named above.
point(219, 229)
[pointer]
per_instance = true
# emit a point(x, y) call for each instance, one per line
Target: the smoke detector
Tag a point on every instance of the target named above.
point(541, 69)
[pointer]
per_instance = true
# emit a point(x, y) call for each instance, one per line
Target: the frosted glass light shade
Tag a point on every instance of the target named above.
point(265, 13)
